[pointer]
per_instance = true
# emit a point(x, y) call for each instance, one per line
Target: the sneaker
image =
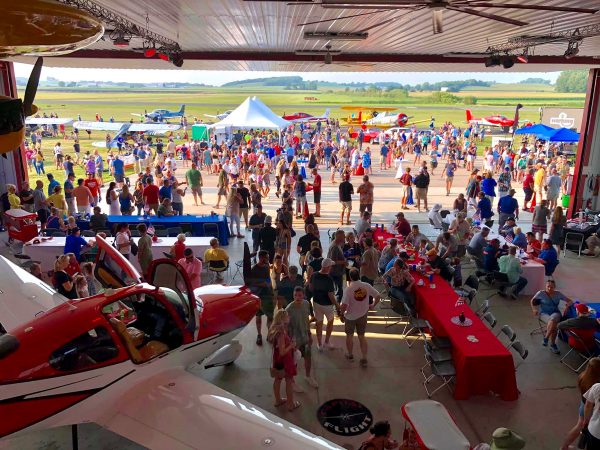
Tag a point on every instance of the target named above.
point(319, 348)
point(259, 340)
point(349, 357)
point(363, 363)
point(554, 349)
point(545, 343)
point(297, 389)
point(312, 382)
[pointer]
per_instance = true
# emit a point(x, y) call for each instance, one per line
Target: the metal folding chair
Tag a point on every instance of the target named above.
point(174, 231)
point(583, 351)
point(490, 319)
point(239, 267)
point(443, 370)
point(211, 229)
point(414, 324)
point(573, 242)
point(521, 350)
point(507, 331)
point(217, 268)
point(541, 328)
point(399, 307)
point(485, 306)
point(436, 355)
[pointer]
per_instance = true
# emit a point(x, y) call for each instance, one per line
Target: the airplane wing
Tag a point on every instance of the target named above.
point(180, 411)
point(156, 127)
point(23, 296)
point(134, 127)
point(210, 115)
point(366, 108)
point(47, 121)
point(97, 126)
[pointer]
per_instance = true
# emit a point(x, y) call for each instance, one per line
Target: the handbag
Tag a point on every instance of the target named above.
point(584, 438)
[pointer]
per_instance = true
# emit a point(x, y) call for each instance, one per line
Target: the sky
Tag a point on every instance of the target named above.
point(217, 78)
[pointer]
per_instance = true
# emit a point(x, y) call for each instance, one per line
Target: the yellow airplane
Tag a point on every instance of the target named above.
point(362, 113)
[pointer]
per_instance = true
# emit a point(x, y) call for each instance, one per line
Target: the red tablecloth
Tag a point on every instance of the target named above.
point(482, 366)
point(381, 237)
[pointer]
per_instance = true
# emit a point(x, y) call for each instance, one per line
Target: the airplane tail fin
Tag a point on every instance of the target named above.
point(469, 115)
point(122, 130)
point(326, 115)
point(182, 110)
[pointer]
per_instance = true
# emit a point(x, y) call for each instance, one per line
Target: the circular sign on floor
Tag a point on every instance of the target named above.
point(344, 417)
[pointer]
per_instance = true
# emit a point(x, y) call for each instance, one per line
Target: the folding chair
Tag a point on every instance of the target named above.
point(574, 243)
point(509, 333)
point(174, 231)
point(578, 345)
point(541, 328)
point(211, 229)
point(436, 355)
point(521, 350)
point(414, 324)
point(58, 234)
point(27, 261)
point(239, 267)
point(438, 341)
point(161, 232)
point(443, 370)
point(400, 307)
point(88, 233)
point(217, 268)
point(490, 319)
point(485, 306)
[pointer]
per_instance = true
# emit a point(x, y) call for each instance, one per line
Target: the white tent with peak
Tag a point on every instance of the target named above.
point(252, 113)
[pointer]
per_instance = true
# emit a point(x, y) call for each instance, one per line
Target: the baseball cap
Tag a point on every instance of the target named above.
point(582, 308)
point(327, 262)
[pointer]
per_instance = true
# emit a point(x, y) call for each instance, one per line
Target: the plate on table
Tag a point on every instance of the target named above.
point(456, 321)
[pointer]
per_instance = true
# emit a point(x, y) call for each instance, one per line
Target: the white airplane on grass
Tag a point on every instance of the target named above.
point(220, 116)
point(37, 121)
point(119, 359)
point(122, 128)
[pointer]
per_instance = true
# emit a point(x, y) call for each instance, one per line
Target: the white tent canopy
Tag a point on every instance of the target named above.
point(252, 113)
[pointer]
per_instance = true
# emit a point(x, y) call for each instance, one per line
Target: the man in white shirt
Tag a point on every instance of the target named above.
point(355, 308)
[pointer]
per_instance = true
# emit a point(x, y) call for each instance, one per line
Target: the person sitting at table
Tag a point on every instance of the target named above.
point(216, 254)
point(388, 252)
point(460, 203)
point(415, 236)
point(63, 282)
point(165, 191)
point(55, 220)
point(545, 304)
point(439, 265)
point(519, 239)
point(368, 234)
point(508, 229)
point(178, 248)
point(402, 226)
point(98, 220)
point(165, 209)
point(510, 271)
point(192, 266)
point(424, 246)
point(363, 223)
point(74, 243)
point(446, 245)
point(548, 257)
point(593, 245)
point(533, 245)
point(491, 253)
point(584, 325)
point(400, 282)
point(434, 216)
point(478, 243)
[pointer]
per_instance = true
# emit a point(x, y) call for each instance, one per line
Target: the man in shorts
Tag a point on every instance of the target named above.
point(299, 330)
point(355, 308)
point(322, 288)
point(545, 304)
point(260, 285)
point(346, 190)
point(194, 181)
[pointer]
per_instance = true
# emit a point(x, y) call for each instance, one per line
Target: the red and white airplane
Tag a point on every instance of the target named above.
point(495, 120)
point(298, 117)
point(119, 359)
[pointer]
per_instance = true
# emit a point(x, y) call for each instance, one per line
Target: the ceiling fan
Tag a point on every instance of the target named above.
point(437, 7)
point(328, 53)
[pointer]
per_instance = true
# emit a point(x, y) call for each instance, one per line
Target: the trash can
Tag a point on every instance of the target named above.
point(565, 200)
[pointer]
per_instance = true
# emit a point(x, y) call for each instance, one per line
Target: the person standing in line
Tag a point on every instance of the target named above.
point(365, 192)
point(194, 181)
point(300, 193)
point(257, 221)
point(260, 284)
point(299, 329)
point(355, 308)
point(553, 186)
point(316, 185)
point(69, 199)
point(222, 186)
point(346, 190)
point(144, 254)
point(245, 204)
point(92, 184)
point(449, 170)
point(322, 288)
point(151, 195)
point(539, 222)
point(406, 182)
point(539, 182)
point(421, 186)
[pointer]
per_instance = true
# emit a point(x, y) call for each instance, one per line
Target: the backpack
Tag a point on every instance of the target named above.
point(422, 181)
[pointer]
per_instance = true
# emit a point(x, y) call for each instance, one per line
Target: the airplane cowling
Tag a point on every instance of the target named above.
point(402, 119)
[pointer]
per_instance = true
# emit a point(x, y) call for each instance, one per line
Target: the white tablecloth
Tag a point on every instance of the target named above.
point(47, 251)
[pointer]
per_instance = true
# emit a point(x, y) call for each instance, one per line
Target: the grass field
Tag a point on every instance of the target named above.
point(498, 99)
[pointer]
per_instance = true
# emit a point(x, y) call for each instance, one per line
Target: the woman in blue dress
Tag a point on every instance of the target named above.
point(366, 161)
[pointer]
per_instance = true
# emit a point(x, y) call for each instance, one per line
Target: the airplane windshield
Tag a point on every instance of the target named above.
point(179, 301)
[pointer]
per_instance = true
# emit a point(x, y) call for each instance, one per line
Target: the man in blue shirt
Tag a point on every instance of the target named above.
point(165, 191)
point(74, 242)
point(328, 152)
point(52, 184)
point(508, 206)
point(119, 171)
point(548, 257)
point(383, 161)
point(484, 207)
point(545, 304)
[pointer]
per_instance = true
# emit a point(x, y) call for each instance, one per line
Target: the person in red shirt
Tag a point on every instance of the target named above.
point(533, 245)
point(528, 183)
point(402, 226)
point(178, 248)
point(92, 184)
point(316, 184)
point(151, 193)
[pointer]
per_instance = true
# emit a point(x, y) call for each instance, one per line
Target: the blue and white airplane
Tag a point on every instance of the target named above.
point(161, 115)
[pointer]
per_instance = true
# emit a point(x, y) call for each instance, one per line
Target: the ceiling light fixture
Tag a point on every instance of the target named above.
point(572, 49)
point(524, 57)
point(333, 36)
point(150, 52)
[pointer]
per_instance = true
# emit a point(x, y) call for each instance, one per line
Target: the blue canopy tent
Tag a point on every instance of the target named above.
point(560, 135)
point(535, 129)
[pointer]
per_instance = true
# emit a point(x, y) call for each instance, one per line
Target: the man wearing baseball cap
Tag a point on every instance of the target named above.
point(584, 325)
point(322, 287)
